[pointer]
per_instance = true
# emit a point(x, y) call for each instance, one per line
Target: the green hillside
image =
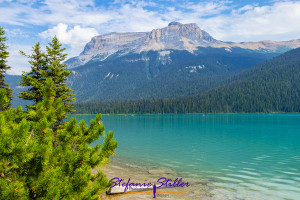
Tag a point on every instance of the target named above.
point(150, 75)
point(271, 86)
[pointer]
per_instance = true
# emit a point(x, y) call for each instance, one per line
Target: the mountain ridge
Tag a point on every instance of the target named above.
point(175, 36)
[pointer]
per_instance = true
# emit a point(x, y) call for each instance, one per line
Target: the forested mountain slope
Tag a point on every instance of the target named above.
point(271, 86)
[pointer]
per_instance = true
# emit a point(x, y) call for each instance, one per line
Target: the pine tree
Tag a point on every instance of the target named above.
point(40, 162)
point(56, 70)
point(3, 68)
point(48, 65)
point(34, 79)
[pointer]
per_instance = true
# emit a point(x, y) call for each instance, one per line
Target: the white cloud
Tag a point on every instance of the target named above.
point(76, 37)
point(245, 8)
point(280, 21)
point(17, 61)
point(222, 19)
point(133, 18)
point(202, 9)
point(53, 12)
point(75, 22)
point(11, 33)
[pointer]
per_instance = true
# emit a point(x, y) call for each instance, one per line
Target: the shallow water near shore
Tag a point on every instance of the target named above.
point(225, 156)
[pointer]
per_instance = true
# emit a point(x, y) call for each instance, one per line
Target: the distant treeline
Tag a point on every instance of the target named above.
point(135, 107)
point(272, 86)
point(216, 103)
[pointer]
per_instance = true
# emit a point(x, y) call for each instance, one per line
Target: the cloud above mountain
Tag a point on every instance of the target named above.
point(76, 37)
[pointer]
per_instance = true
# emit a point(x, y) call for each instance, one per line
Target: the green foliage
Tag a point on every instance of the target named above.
point(272, 86)
point(149, 75)
point(43, 66)
point(38, 161)
point(3, 97)
point(56, 70)
point(41, 155)
point(34, 79)
point(3, 69)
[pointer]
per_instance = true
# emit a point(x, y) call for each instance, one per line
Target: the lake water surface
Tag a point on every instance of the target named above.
point(246, 156)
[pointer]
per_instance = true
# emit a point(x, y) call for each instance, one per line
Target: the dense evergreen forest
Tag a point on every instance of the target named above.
point(271, 86)
point(149, 75)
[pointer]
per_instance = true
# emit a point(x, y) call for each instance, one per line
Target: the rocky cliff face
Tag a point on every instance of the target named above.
point(178, 37)
point(102, 46)
point(175, 36)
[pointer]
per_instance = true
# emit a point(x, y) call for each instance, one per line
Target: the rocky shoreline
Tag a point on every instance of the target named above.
point(198, 189)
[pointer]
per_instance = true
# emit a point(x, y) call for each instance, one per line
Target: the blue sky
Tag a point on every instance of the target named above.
point(74, 22)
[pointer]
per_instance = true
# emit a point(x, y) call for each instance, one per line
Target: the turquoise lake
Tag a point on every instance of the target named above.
point(247, 156)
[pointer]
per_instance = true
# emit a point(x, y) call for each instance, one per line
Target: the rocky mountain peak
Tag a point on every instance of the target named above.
point(175, 36)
